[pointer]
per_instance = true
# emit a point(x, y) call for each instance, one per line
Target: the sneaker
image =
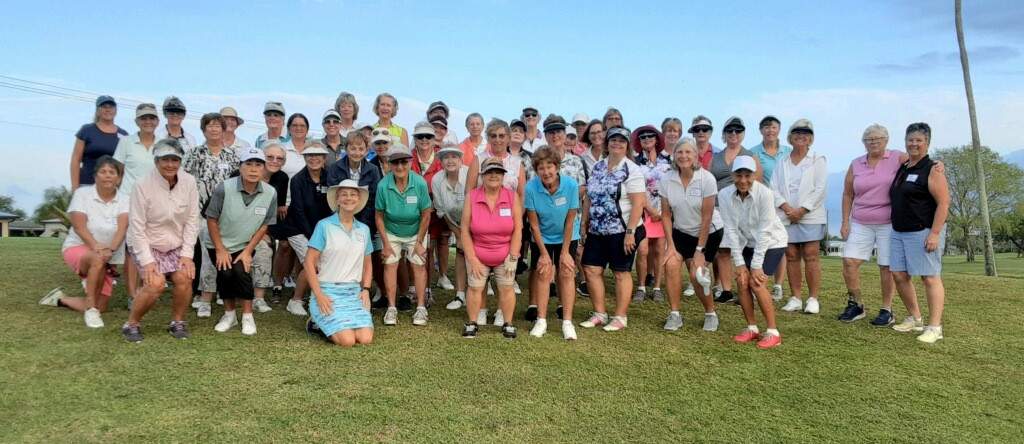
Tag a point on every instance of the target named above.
point(658, 296)
point(595, 320)
point(314, 330)
point(481, 317)
point(717, 291)
point(248, 324)
point(275, 295)
point(52, 298)
point(455, 304)
point(617, 323)
point(445, 283)
point(769, 341)
point(853, 312)
point(178, 329)
point(204, 310)
point(568, 331)
point(725, 296)
point(469, 330)
point(295, 307)
point(531, 313)
point(747, 335)
point(499, 318)
point(420, 317)
point(404, 303)
point(812, 306)
point(689, 291)
point(226, 322)
point(931, 335)
point(219, 300)
point(380, 302)
point(289, 282)
point(508, 331)
point(674, 322)
point(908, 325)
point(196, 301)
point(391, 316)
point(639, 296)
point(581, 288)
point(93, 319)
point(261, 305)
point(710, 322)
point(515, 287)
point(649, 281)
point(884, 318)
point(539, 328)
point(132, 333)
point(776, 292)
point(794, 304)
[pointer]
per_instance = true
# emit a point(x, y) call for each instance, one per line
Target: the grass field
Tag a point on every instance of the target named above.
point(828, 382)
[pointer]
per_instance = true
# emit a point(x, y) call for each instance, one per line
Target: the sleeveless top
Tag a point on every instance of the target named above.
point(913, 207)
point(722, 170)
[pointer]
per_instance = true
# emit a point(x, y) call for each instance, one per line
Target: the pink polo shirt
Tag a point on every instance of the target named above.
point(871, 188)
point(491, 230)
point(162, 218)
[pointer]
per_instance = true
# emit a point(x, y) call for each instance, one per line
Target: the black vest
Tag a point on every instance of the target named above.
point(913, 207)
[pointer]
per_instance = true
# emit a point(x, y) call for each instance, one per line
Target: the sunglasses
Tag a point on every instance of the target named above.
point(378, 132)
point(380, 143)
point(701, 130)
point(530, 114)
point(424, 136)
point(734, 130)
point(399, 162)
point(332, 122)
point(648, 136)
point(498, 136)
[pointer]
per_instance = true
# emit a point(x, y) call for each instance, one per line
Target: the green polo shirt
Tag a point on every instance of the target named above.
point(402, 210)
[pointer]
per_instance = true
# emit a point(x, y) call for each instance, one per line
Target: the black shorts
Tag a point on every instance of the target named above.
point(234, 283)
point(772, 258)
point(686, 245)
point(607, 250)
point(554, 251)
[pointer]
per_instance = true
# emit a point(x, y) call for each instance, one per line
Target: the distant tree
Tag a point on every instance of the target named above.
point(7, 206)
point(54, 206)
point(1005, 188)
point(1010, 229)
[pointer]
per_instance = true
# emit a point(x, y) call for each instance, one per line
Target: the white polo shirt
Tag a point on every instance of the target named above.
point(188, 143)
point(687, 201)
point(102, 219)
point(137, 160)
point(336, 245)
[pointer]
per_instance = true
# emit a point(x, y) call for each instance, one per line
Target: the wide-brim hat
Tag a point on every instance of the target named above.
point(332, 195)
point(228, 111)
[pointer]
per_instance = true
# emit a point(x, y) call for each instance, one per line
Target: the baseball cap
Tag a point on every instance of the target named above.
point(174, 104)
point(616, 131)
point(105, 99)
point(570, 131)
point(146, 109)
point(492, 164)
point(449, 149)
point(228, 111)
point(398, 151)
point(802, 124)
point(423, 127)
point(381, 134)
point(314, 150)
point(744, 163)
point(517, 122)
point(168, 147)
point(530, 108)
point(273, 107)
point(438, 120)
point(331, 113)
point(554, 122)
point(698, 122)
point(332, 194)
point(580, 118)
point(436, 105)
point(767, 119)
point(251, 153)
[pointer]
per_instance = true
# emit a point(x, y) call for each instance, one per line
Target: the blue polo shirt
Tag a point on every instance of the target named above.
point(551, 209)
point(336, 245)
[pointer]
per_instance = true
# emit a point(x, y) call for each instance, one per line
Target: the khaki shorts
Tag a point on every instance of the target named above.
point(504, 275)
point(407, 246)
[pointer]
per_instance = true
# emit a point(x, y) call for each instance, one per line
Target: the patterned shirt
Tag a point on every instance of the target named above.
point(653, 173)
point(574, 167)
point(608, 191)
point(209, 170)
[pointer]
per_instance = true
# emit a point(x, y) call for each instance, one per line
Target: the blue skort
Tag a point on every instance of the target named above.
point(347, 310)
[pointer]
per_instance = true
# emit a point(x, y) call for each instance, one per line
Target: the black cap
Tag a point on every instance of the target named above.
point(554, 122)
point(517, 122)
point(767, 119)
point(173, 104)
point(436, 105)
point(438, 120)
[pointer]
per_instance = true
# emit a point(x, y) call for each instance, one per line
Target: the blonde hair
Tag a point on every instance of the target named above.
point(683, 143)
point(376, 103)
point(346, 97)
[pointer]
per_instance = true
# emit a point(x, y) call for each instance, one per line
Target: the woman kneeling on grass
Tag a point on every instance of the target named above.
point(759, 243)
point(340, 280)
point(99, 221)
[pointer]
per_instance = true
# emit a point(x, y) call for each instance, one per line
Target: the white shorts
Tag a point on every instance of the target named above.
point(300, 245)
point(864, 238)
point(407, 246)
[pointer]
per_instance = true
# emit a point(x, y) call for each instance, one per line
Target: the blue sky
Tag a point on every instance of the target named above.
point(843, 64)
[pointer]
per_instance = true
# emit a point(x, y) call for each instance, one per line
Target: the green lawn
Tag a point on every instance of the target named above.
point(828, 382)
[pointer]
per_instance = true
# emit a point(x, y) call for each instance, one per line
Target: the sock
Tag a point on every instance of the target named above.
point(714, 313)
point(566, 322)
point(420, 306)
point(641, 288)
point(657, 288)
point(753, 328)
point(532, 306)
point(229, 313)
point(461, 295)
point(888, 309)
point(674, 312)
point(772, 331)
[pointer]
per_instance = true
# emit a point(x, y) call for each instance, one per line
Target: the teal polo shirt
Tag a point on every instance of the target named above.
point(402, 209)
point(551, 209)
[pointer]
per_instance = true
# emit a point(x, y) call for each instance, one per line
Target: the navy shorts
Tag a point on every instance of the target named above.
point(772, 258)
point(607, 250)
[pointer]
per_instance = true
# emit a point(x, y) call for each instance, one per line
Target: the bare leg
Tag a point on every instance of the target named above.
point(507, 302)
point(182, 295)
point(131, 273)
point(96, 273)
point(642, 251)
point(246, 306)
point(851, 275)
point(364, 336)
point(654, 259)
point(474, 299)
point(935, 292)
point(595, 286)
point(460, 272)
point(908, 294)
point(301, 286)
point(344, 338)
point(623, 290)
point(724, 262)
point(391, 283)
point(746, 299)
point(419, 277)
point(540, 291)
point(282, 262)
point(780, 273)
point(566, 291)
point(812, 267)
point(764, 299)
point(888, 286)
point(793, 255)
point(147, 297)
point(673, 281)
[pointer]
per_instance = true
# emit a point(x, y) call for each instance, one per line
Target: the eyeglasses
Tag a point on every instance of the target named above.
point(298, 125)
point(648, 136)
point(275, 158)
point(424, 136)
point(332, 122)
point(497, 136)
point(530, 115)
point(734, 130)
point(875, 140)
point(399, 162)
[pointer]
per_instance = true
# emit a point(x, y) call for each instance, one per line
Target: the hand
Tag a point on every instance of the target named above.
point(364, 295)
point(245, 257)
point(421, 251)
point(151, 276)
point(185, 264)
point(630, 243)
point(510, 266)
point(282, 212)
point(223, 259)
point(742, 274)
point(544, 264)
point(844, 231)
point(697, 261)
point(932, 242)
point(477, 268)
point(324, 303)
point(759, 277)
point(567, 262)
point(794, 216)
point(386, 251)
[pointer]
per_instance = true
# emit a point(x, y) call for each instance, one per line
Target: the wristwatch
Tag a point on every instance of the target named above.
point(630, 231)
point(367, 289)
point(699, 249)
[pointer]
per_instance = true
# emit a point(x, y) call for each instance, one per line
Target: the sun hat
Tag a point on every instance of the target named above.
point(332, 195)
point(423, 127)
point(228, 111)
point(398, 151)
point(698, 122)
point(492, 164)
point(449, 149)
point(554, 122)
point(802, 124)
point(313, 150)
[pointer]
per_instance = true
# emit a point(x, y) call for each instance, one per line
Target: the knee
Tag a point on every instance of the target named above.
point(901, 277)
point(673, 264)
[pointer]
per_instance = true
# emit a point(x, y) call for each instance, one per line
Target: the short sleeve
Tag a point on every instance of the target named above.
point(528, 197)
point(708, 185)
point(424, 197)
point(379, 202)
point(574, 196)
point(367, 240)
point(635, 182)
point(77, 204)
point(319, 239)
point(124, 203)
point(271, 218)
point(215, 205)
point(83, 133)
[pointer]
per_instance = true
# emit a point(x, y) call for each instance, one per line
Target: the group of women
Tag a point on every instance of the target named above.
point(359, 209)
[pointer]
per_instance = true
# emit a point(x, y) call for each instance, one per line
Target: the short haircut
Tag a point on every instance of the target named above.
point(496, 123)
point(358, 135)
point(291, 119)
point(685, 142)
point(347, 97)
point(376, 102)
point(546, 154)
point(611, 111)
point(472, 116)
point(920, 127)
point(106, 160)
point(875, 128)
point(209, 118)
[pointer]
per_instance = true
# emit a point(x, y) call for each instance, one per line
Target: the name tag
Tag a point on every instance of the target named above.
point(223, 167)
point(358, 238)
point(560, 201)
point(693, 192)
point(411, 199)
point(505, 212)
point(912, 178)
point(260, 211)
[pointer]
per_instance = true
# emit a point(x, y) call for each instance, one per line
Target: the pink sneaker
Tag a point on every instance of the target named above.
point(595, 320)
point(746, 336)
point(770, 341)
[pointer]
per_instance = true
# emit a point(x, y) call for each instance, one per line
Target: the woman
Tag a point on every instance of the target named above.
point(333, 140)
point(210, 164)
point(163, 227)
point(135, 153)
point(799, 183)
point(231, 123)
point(174, 114)
point(99, 222)
point(427, 163)
point(449, 195)
point(612, 118)
point(759, 242)
point(298, 132)
point(95, 140)
point(263, 276)
point(672, 130)
point(516, 137)
point(579, 123)
point(920, 206)
point(612, 210)
point(688, 195)
point(273, 118)
point(701, 129)
point(403, 215)
point(768, 152)
point(348, 109)
point(385, 106)
point(492, 236)
point(340, 280)
point(654, 163)
point(721, 168)
point(593, 136)
point(552, 205)
point(475, 141)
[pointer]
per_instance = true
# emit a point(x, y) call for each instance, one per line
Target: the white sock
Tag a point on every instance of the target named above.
point(674, 312)
point(641, 288)
point(566, 322)
point(247, 316)
point(461, 295)
point(772, 332)
point(531, 306)
point(714, 313)
point(229, 313)
point(657, 288)
point(420, 306)
point(753, 328)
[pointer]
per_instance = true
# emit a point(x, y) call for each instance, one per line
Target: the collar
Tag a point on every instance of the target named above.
point(96, 195)
point(159, 178)
point(241, 188)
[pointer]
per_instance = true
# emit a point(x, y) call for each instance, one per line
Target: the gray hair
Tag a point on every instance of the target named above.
point(494, 124)
point(876, 128)
point(685, 141)
point(347, 97)
point(376, 102)
point(472, 116)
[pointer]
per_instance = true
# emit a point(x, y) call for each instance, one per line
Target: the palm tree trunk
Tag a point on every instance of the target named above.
point(986, 224)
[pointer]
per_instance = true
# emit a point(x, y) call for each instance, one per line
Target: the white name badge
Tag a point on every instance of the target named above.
point(505, 212)
point(260, 211)
point(223, 167)
point(693, 192)
point(912, 178)
point(560, 201)
point(411, 199)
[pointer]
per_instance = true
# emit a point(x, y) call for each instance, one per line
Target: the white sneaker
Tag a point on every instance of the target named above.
point(908, 325)
point(445, 283)
point(93, 319)
point(481, 317)
point(196, 301)
point(226, 322)
point(490, 290)
point(420, 317)
point(568, 331)
point(204, 310)
point(52, 297)
point(219, 300)
point(391, 316)
point(248, 324)
point(794, 304)
point(289, 282)
point(515, 287)
point(540, 327)
point(777, 292)
point(295, 307)
point(689, 290)
point(812, 306)
point(456, 303)
point(261, 305)
point(499, 318)
point(931, 335)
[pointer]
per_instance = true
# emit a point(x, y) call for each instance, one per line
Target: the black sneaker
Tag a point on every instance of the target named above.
point(381, 302)
point(314, 330)
point(649, 281)
point(884, 318)
point(404, 303)
point(853, 312)
point(582, 289)
point(275, 295)
point(508, 331)
point(558, 312)
point(469, 330)
point(725, 296)
point(132, 333)
point(178, 329)
point(531, 313)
